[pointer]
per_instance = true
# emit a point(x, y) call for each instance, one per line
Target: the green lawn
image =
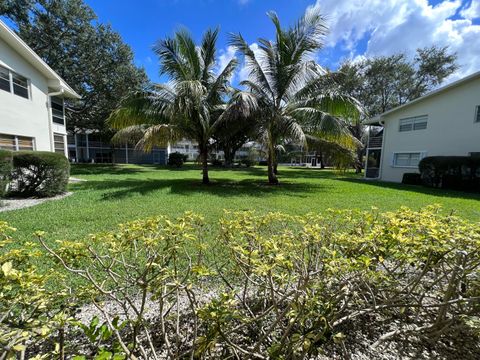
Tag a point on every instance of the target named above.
point(115, 194)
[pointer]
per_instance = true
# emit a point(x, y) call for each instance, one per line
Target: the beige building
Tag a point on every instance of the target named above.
point(32, 114)
point(443, 122)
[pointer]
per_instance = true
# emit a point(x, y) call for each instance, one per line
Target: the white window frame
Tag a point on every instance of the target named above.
point(421, 154)
point(17, 146)
point(63, 111)
point(10, 79)
point(413, 120)
point(63, 139)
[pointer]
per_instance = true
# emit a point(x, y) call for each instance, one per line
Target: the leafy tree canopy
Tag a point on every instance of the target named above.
point(89, 56)
point(384, 82)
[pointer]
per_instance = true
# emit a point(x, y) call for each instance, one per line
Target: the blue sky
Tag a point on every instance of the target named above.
point(357, 27)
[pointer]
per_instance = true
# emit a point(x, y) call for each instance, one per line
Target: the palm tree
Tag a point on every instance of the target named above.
point(189, 106)
point(290, 94)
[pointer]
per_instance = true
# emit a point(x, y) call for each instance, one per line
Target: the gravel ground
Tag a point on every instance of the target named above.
point(15, 204)
point(360, 334)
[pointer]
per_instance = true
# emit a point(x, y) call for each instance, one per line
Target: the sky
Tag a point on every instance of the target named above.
point(357, 28)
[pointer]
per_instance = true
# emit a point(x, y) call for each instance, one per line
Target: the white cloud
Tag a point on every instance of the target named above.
point(392, 26)
point(472, 11)
point(225, 57)
point(244, 71)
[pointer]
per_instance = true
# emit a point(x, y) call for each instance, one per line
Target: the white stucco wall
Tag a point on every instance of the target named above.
point(451, 128)
point(26, 117)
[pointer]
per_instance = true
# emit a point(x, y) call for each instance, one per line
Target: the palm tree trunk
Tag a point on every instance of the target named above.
point(204, 157)
point(272, 177)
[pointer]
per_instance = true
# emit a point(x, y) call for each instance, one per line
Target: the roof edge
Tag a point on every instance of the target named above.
point(35, 60)
point(442, 89)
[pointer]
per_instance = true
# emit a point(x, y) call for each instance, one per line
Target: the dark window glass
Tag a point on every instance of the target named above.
point(57, 110)
point(20, 86)
point(4, 79)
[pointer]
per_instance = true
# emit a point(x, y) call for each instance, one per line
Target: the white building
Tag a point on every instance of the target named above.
point(445, 122)
point(32, 114)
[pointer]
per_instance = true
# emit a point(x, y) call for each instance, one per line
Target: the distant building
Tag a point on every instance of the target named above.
point(89, 147)
point(32, 113)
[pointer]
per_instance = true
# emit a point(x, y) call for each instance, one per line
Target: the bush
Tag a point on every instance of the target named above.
point(177, 159)
point(247, 162)
point(281, 286)
point(38, 173)
point(5, 170)
point(412, 179)
point(263, 163)
point(451, 172)
point(216, 162)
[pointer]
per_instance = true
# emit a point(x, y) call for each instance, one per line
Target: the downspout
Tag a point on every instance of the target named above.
point(50, 116)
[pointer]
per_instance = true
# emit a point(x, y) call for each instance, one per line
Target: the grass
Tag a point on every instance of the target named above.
point(115, 194)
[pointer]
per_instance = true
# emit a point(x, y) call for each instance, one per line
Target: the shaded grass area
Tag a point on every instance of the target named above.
point(115, 194)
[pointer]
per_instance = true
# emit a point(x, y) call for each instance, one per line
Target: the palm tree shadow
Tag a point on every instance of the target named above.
point(114, 189)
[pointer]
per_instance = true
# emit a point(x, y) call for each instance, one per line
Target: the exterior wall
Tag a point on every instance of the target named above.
point(26, 117)
point(451, 128)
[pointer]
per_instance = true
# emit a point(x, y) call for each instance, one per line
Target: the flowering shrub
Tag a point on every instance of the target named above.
point(267, 286)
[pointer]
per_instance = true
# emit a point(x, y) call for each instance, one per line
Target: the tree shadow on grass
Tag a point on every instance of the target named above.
point(413, 188)
point(125, 188)
point(105, 169)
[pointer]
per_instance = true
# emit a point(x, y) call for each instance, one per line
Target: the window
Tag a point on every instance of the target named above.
point(58, 113)
point(477, 114)
point(4, 79)
point(414, 123)
point(24, 143)
point(59, 143)
point(12, 82)
point(406, 159)
point(20, 85)
point(14, 143)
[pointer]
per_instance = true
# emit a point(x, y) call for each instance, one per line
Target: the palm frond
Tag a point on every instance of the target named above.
point(256, 72)
point(158, 136)
point(208, 52)
point(140, 108)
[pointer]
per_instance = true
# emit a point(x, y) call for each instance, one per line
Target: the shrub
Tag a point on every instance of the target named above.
point(451, 172)
point(37, 173)
point(5, 170)
point(247, 162)
point(216, 162)
point(412, 179)
point(282, 287)
point(176, 159)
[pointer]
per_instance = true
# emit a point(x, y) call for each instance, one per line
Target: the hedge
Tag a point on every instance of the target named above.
point(412, 179)
point(451, 172)
point(271, 286)
point(39, 173)
point(177, 159)
point(5, 170)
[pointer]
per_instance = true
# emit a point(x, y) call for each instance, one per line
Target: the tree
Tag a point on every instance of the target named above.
point(90, 57)
point(384, 82)
point(231, 135)
point(287, 91)
point(190, 105)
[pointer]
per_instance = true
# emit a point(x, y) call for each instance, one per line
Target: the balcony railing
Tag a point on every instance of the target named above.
point(375, 142)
